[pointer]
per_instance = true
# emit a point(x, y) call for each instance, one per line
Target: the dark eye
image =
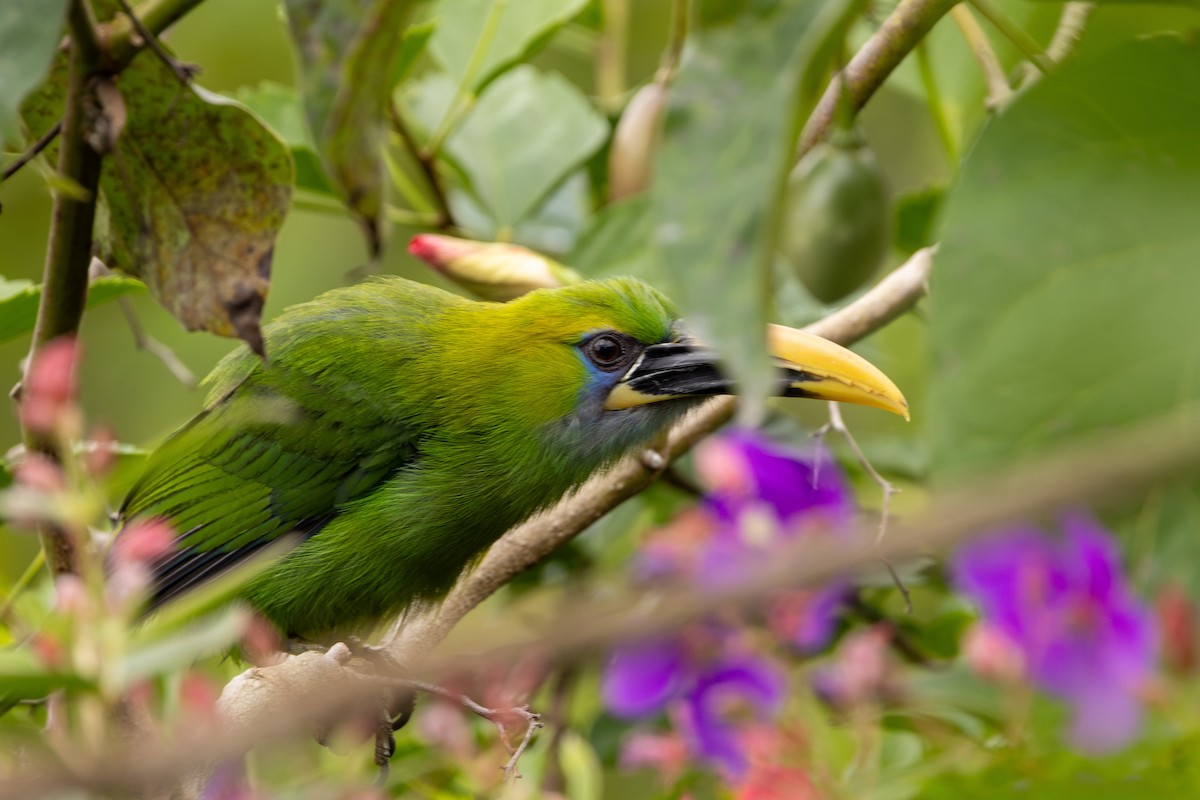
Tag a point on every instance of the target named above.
point(606, 351)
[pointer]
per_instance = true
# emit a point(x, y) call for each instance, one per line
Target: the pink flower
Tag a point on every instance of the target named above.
point(49, 389)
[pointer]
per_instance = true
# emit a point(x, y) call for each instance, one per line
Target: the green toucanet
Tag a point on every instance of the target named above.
point(398, 430)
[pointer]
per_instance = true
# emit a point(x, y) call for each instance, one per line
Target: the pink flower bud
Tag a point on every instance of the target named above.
point(493, 271)
point(70, 596)
point(1177, 626)
point(198, 697)
point(861, 670)
point(261, 642)
point(101, 454)
point(40, 473)
point(48, 391)
point(665, 753)
point(144, 541)
point(992, 655)
point(723, 468)
point(49, 650)
point(634, 142)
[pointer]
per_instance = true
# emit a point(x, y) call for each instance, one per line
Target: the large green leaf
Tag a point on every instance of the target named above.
point(476, 40)
point(528, 130)
point(731, 130)
point(279, 107)
point(350, 51)
point(1067, 282)
point(195, 190)
point(19, 301)
point(29, 32)
point(1065, 292)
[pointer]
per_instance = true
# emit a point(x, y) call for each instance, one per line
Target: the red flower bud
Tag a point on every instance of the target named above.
point(493, 271)
point(1177, 625)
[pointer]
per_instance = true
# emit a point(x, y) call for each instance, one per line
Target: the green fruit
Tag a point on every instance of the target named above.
point(836, 227)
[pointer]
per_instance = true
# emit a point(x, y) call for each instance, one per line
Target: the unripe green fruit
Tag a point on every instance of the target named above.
point(837, 223)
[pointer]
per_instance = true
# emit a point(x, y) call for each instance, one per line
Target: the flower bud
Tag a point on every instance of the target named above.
point(992, 655)
point(634, 142)
point(1177, 626)
point(490, 270)
point(48, 391)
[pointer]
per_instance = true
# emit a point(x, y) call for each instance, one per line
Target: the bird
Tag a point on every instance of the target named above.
point(398, 430)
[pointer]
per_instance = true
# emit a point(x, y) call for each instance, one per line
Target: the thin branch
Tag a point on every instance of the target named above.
point(1070, 25)
point(496, 716)
point(999, 90)
point(65, 278)
point(873, 63)
point(428, 164)
point(121, 39)
point(933, 100)
point(147, 343)
point(837, 424)
point(1015, 34)
point(526, 545)
point(676, 43)
point(183, 72)
point(34, 149)
point(1074, 19)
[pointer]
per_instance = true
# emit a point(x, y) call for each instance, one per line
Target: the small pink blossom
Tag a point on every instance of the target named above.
point(49, 389)
point(144, 542)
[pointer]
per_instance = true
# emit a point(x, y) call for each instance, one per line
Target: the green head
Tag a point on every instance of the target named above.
point(601, 365)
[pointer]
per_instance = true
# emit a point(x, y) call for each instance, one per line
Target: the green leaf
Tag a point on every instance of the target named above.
point(211, 636)
point(477, 40)
point(23, 677)
point(1066, 284)
point(279, 108)
point(581, 768)
point(916, 219)
point(195, 191)
point(29, 33)
point(348, 54)
point(617, 242)
point(732, 123)
point(526, 133)
point(19, 301)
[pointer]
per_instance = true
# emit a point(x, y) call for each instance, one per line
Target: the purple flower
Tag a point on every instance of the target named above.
point(648, 677)
point(760, 496)
point(1083, 635)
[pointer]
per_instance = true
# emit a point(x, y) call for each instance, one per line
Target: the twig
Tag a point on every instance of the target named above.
point(873, 63)
point(183, 72)
point(1070, 25)
point(122, 41)
point(999, 90)
point(496, 716)
point(428, 164)
point(65, 278)
point(146, 342)
point(34, 149)
point(676, 43)
point(908, 649)
point(933, 100)
point(838, 425)
point(1015, 34)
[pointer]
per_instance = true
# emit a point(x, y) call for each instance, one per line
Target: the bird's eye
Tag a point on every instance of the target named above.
point(606, 351)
